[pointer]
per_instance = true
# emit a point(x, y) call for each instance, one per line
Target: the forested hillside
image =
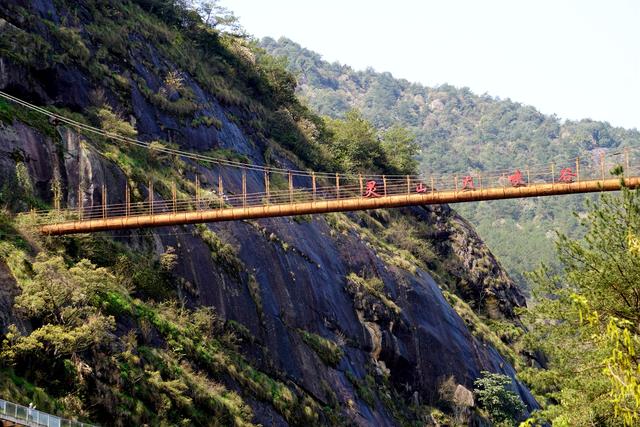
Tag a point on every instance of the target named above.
point(459, 131)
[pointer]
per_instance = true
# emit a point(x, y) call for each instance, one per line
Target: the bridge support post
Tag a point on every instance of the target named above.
point(408, 184)
point(626, 162)
point(151, 197)
point(553, 173)
point(127, 200)
point(220, 191)
point(267, 191)
point(244, 188)
point(290, 175)
point(104, 201)
point(80, 197)
point(337, 186)
point(57, 193)
point(313, 185)
point(174, 197)
point(361, 185)
point(197, 192)
point(528, 176)
point(384, 184)
point(578, 169)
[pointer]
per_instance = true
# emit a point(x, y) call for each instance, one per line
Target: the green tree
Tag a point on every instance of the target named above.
point(400, 148)
point(503, 405)
point(64, 302)
point(217, 16)
point(354, 143)
point(586, 320)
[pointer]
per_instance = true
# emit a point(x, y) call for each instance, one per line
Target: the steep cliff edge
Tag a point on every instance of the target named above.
point(337, 318)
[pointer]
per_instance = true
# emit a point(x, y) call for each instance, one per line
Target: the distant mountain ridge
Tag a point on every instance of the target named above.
point(460, 131)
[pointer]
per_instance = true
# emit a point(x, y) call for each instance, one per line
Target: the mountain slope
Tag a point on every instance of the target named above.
point(459, 131)
point(331, 320)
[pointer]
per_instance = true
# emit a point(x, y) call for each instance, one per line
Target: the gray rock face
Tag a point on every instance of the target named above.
point(295, 279)
point(294, 273)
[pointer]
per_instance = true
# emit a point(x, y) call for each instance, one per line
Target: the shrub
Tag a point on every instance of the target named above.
point(375, 287)
point(181, 107)
point(222, 253)
point(111, 122)
point(71, 42)
point(503, 405)
point(206, 121)
point(327, 350)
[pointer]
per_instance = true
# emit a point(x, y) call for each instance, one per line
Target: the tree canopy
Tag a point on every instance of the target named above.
point(356, 146)
point(586, 320)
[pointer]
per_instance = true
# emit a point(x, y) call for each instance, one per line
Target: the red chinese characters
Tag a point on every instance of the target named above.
point(517, 180)
point(467, 183)
point(420, 188)
point(567, 175)
point(370, 190)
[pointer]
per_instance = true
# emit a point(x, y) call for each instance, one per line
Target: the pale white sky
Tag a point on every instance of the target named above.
point(577, 59)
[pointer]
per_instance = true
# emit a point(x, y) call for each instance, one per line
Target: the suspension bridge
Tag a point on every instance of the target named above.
point(286, 192)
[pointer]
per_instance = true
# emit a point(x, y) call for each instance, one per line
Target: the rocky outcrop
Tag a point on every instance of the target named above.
point(483, 280)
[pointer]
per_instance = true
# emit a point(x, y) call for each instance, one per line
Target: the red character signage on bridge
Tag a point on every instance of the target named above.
point(467, 183)
point(517, 179)
point(567, 176)
point(370, 190)
point(420, 188)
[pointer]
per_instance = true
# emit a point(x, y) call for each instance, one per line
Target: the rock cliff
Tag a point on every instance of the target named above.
point(347, 309)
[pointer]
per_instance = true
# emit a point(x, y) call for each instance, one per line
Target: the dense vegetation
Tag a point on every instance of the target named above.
point(585, 321)
point(158, 370)
point(458, 131)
